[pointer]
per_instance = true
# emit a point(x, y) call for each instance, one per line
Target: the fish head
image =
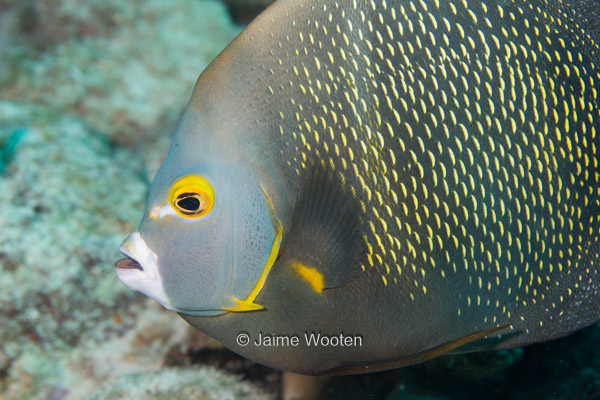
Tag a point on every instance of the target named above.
point(206, 242)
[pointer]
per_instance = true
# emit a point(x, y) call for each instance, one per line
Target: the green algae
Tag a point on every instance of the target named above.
point(8, 148)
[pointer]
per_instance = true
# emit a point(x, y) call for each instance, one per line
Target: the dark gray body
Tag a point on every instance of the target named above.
point(462, 137)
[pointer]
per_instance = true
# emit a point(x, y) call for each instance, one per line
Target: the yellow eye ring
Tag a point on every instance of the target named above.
point(192, 197)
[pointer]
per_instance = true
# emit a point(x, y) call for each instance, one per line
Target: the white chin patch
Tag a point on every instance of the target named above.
point(148, 281)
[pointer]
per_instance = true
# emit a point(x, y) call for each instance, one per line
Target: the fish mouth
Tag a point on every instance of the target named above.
point(128, 263)
point(139, 270)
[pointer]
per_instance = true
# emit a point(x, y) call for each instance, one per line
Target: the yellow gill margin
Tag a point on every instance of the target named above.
point(248, 303)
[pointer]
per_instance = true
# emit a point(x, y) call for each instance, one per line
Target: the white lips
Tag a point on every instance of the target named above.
point(148, 281)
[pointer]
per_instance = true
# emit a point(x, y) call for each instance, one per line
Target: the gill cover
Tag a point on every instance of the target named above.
point(215, 236)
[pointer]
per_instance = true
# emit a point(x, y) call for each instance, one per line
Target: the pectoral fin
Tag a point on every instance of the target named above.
point(325, 244)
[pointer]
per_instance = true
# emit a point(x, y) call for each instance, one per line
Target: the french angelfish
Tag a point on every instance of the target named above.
point(394, 179)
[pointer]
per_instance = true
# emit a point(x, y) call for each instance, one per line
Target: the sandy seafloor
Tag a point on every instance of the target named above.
point(90, 93)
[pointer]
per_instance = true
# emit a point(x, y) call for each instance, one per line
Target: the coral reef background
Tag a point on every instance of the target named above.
point(90, 92)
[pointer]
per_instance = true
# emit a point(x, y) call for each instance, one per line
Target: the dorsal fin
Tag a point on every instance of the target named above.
point(325, 243)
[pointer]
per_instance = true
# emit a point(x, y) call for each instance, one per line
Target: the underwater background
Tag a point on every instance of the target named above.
point(90, 93)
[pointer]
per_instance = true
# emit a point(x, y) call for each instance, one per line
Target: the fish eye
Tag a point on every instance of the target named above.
point(190, 203)
point(192, 197)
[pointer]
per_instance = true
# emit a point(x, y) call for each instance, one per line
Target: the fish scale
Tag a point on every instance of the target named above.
point(481, 173)
point(476, 158)
point(431, 165)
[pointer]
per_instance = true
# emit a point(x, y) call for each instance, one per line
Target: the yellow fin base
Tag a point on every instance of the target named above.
point(310, 275)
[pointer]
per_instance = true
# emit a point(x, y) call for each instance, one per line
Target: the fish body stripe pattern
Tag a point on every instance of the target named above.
point(469, 129)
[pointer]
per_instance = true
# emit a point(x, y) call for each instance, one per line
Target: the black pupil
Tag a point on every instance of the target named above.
point(190, 203)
